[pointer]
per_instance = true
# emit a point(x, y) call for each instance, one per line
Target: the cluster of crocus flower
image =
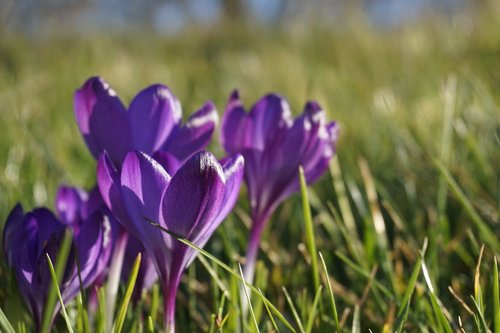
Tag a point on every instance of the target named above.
point(151, 169)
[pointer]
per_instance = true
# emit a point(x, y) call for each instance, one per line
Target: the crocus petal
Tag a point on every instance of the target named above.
point(93, 246)
point(102, 120)
point(108, 180)
point(194, 196)
point(11, 232)
point(168, 161)
point(235, 134)
point(270, 118)
point(195, 134)
point(68, 203)
point(233, 175)
point(152, 115)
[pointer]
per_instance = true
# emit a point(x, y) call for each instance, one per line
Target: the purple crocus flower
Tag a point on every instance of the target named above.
point(152, 124)
point(192, 204)
point(27, 237)
point(274, 145)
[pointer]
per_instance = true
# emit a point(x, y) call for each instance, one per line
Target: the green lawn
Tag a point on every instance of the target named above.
point(418, 163)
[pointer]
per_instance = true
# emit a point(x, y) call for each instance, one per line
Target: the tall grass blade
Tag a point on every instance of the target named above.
point(56, 285)
point(312, 310)
point(311, 242)
point(227, 269)
point(269, 313)
point(62, 258)
point(496, 298)
point(438, 312)
point(330, 293)
point(483, 327)
point(5, 324)
point(294, 310)
point(378, 221)
point(478, 293)
point(345, 208)
point(122, 312)
point(245, 289)
point(356, 324)
point(405, 303)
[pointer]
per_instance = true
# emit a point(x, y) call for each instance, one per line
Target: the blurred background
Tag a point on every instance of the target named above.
point(411, 82)
point(46, 17)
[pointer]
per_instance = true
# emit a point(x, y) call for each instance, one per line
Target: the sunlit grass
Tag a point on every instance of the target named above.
point(411, 198)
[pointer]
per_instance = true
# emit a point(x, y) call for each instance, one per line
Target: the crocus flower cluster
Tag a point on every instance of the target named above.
point(151, 169)
point(27, 237)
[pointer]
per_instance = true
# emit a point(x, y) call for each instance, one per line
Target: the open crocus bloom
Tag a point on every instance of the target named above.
point(274, 145)
point(27, 237)
point(152, 124)
point(191, 204)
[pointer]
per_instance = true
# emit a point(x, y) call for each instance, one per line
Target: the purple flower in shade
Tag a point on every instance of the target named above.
point(147, 273)
point(152, 124)
point(27, 237)
point(274, 145)
point(192, 204)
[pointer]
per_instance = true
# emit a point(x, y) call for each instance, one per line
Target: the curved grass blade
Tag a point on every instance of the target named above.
point(330, 292)
point(483, 327)
point(269, 313)
point(405, 303)
point(5, 324)
point(248, 300)
point(312, 315)
point(294, 310)
point(62, 258)
point(227, 269)
point(120, 318)
point(56, 286)
point(438, 312)
point(311, 242)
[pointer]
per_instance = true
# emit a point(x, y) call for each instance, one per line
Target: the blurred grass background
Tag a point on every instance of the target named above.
point(388, 89)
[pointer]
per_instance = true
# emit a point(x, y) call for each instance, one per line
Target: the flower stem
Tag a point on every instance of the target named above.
point(258, 224)
point(169, 289)
point(114, 276)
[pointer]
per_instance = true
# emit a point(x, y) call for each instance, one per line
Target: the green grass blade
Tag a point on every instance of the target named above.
point(312, 314)
point(62, 258)
point(150, 325)
point(483, 327)
point(56, 286)
point(330, 293)
point(438, 312)
point(496, 298)
point(410, 288)
point(227, 269)
point(120, 318)
point(5, 324)
point(269, 313)
point(248, 301)
point(294, 310)
point(356, 324)
point(311, 242)
point(405, 303)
